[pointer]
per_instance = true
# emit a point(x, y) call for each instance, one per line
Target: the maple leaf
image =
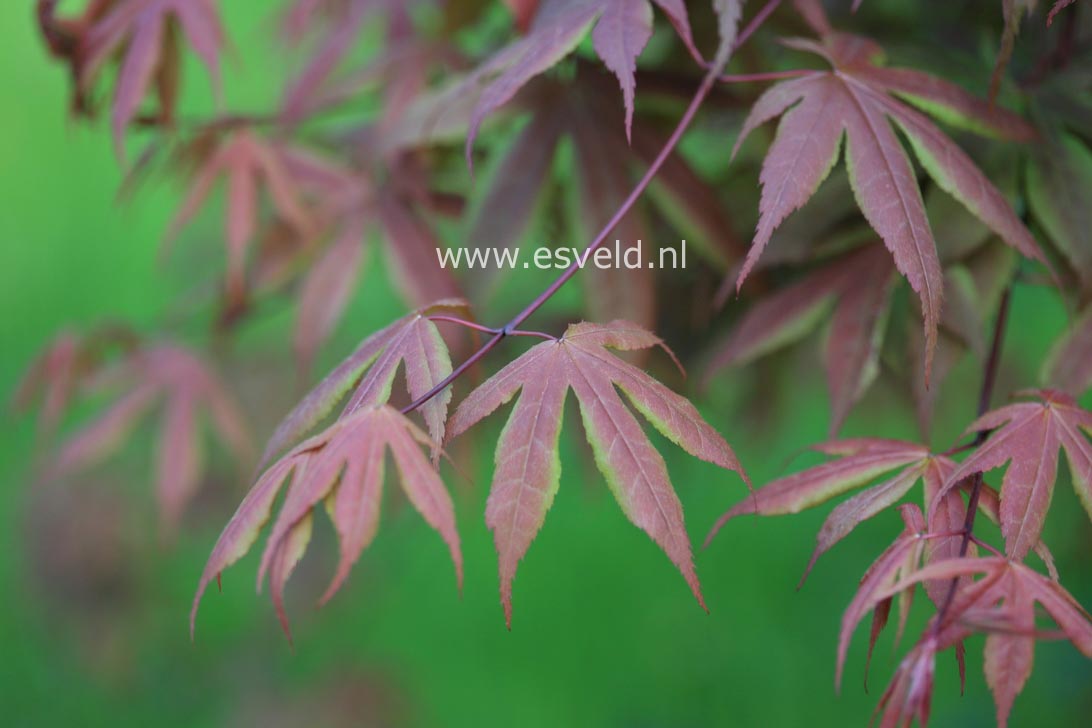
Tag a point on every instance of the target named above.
point(901, 558)
point(401, 67)
point(518, 185)
point(1002, 604)
point(369, 372)
point(600, 188)
point(351, 206)
point(143, 35)
point(189, 391)
point(859, 285)
point(1069, 364)
point(343, 465)
point(909, 695)
point(855, 100)
point(1058, 170)
point(528, 465)
point(861, 461)
point(53, 375)
point(246, 163)
point(325, 292)
point(1028, 436)
point(620, 30)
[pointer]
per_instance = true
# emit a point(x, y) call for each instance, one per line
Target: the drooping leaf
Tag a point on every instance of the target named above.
point(528, 465)
point(189, 391)
point(351, 206)
point(411, 246)
point(620, 30)
point(325, 292)
point(330, 78)
point(909, 695)
point(142, 35)
point(860, 462)
point(1069, 365)
point(342, 466)
point(1002, 604)
point(1059, 171)
point(601, 186)
point(1028, 436)
point(53, 376)
point(859, 286)
point(369, 373)
point(898, 560)
point(854, 100)
point(246, 163)
point(604, 173)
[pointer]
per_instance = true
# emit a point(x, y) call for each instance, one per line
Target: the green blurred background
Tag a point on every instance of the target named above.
point(94, 606)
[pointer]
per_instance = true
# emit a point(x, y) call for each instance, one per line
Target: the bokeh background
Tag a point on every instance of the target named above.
point(94, 603)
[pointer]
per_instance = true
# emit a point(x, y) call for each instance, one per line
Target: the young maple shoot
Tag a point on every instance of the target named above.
point(585, 104)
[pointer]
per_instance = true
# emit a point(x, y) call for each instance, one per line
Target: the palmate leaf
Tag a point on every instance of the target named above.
point(860, 461)
point(1028, 436)
point(352, 207)
point(900, 559)
point(247, 164)
point(528, 465)
point(1059, 173)
point(1002, 604)
point(143, 34)
point(328, 79)
point(855, 100)
point(342, 466)
point(604, 172)
point(858, 287)
point(620, 30)
point(189, 391)
point(1069, 365)
point(369, 372)
point(53, 377)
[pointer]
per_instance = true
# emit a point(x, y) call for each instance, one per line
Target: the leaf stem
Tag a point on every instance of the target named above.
point(511, 328)
point(767, 76)
point(463, 322)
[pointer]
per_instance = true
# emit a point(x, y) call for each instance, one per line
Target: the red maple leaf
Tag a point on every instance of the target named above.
point(344, 466)
point(854, 99)
point(188, 390)
point(620, 29)
point(143, 35)
point(1029, 436)
point(528, 465)
point(367, 376)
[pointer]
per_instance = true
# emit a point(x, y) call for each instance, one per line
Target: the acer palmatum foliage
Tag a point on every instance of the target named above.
point(528, 464)
point(584, 114)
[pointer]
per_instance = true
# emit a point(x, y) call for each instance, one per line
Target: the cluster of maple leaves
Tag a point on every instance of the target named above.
point(300, 206)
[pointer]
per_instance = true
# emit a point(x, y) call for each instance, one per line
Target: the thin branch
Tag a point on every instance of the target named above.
point(989, 379)
point(511, 328)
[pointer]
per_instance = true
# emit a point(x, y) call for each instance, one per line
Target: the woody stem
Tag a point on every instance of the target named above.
point(989, 379)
